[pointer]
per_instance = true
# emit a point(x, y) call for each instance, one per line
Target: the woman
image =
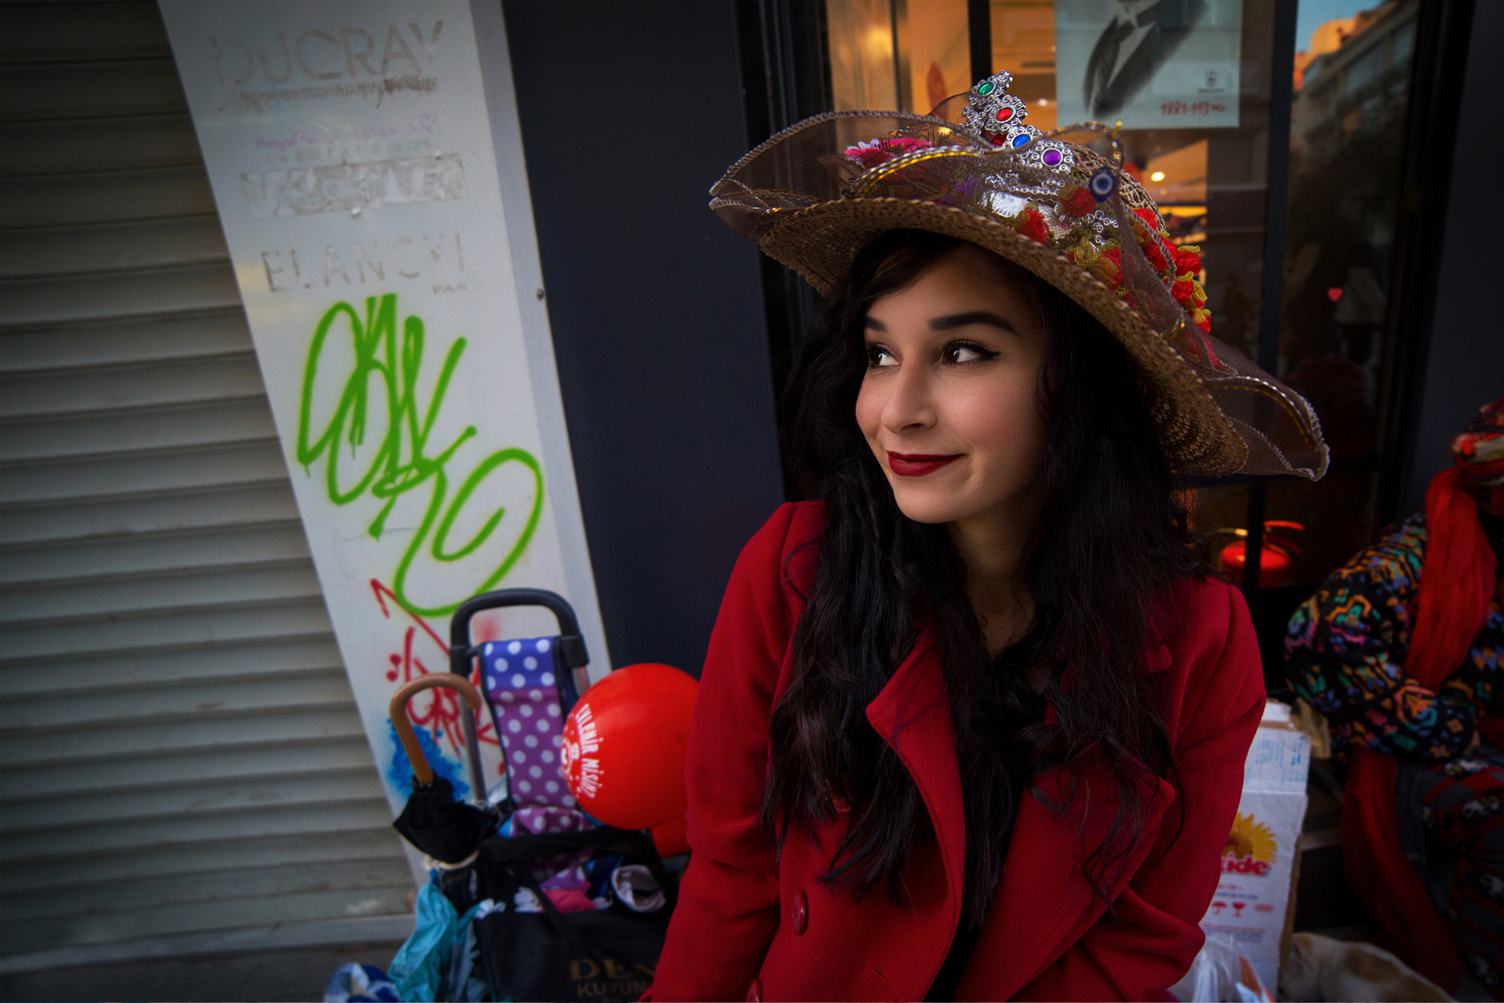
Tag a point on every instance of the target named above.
point(972, 722)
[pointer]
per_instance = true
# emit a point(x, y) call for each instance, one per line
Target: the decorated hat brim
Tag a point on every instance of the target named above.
point(1059, 205)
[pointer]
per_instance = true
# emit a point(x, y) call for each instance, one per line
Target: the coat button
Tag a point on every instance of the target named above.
point(801, 911)
point(754, 991)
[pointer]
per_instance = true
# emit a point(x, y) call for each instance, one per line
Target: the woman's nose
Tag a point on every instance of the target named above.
point(910, 401)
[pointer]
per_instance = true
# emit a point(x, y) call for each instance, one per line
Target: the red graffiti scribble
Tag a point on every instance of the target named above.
point(485, 627)
point(436, 709)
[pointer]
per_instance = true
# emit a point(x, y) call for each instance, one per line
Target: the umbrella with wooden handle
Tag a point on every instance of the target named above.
point(447, 830)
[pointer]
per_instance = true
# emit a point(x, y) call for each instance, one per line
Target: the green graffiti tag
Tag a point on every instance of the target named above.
point(379, 398)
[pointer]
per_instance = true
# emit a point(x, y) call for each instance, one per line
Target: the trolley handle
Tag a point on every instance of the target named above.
point(571, 648)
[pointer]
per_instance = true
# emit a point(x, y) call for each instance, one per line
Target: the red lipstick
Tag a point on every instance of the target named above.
point(917, 464)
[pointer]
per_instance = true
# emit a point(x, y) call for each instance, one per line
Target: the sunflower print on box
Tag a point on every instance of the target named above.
point(1345, 654)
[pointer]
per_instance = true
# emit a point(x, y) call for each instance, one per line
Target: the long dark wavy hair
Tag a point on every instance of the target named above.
point(1112, 533)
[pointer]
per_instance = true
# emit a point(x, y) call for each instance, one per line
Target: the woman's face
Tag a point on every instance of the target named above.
point(947, 403)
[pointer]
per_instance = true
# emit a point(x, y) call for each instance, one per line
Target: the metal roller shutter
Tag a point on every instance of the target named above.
point(180, 744)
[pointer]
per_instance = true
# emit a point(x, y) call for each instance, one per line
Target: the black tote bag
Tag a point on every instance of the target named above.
point(603, 956)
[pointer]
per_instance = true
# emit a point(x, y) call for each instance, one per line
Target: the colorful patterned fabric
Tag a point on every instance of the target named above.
point(1460, 850)
point(1345, 653)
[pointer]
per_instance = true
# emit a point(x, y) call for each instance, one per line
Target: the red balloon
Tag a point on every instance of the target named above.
point(623, 749)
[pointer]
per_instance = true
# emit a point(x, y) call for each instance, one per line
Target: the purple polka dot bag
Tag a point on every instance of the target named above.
point(529, 685)
point(529, 697)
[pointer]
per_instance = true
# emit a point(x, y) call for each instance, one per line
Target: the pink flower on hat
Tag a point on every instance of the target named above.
point(873, 152)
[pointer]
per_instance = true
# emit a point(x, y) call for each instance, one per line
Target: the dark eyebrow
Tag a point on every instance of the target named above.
point(952, 321)
point(955, 320)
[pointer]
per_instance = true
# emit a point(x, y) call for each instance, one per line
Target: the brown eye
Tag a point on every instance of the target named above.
point(962, 352)
point(875, 356)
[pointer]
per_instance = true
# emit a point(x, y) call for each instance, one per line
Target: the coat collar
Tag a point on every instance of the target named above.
point(1044, 901)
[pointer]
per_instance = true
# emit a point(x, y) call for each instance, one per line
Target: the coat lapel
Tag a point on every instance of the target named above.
point(912, 714)
point(1044, 901)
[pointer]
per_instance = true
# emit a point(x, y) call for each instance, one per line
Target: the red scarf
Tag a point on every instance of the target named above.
point(1458, 577)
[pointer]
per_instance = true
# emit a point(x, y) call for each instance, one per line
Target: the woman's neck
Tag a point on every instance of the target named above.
point(993, 553)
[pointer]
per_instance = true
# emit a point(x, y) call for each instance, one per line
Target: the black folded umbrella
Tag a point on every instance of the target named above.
point(447, 830)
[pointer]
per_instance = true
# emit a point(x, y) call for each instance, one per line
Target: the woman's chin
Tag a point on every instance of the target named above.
point(928, 510)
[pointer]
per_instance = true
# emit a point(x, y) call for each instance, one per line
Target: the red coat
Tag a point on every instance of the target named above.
point(749, 926)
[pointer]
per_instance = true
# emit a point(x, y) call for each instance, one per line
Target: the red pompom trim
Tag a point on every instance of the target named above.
point(1155, 256)
point(1032, 225)
point(1077, 201)
point(1187, 261)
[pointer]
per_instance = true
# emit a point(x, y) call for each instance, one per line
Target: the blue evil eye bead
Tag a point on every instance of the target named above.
point(1102, 184)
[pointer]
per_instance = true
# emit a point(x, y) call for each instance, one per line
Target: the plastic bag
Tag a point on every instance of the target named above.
point(1220, 974)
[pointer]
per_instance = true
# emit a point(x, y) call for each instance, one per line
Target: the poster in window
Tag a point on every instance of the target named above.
point(1154, 64)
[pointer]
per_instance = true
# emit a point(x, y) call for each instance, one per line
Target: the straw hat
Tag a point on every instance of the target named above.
point(1059, 205)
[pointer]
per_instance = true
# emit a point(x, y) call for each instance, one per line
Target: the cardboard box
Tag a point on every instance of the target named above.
point(1255, 897)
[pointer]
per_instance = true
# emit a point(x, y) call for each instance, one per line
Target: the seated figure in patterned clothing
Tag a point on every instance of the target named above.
point(1401, 649)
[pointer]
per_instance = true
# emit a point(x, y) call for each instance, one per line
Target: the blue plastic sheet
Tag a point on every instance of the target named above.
point(431, 966)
